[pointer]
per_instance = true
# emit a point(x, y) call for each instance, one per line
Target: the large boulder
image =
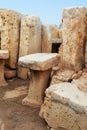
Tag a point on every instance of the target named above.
point(65, 107)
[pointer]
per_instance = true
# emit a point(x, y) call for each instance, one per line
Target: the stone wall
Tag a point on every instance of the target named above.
point(74, 29)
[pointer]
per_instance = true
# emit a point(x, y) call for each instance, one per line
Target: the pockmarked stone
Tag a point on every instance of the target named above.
point(81, 82)
point(9, 35)
point(65, 107)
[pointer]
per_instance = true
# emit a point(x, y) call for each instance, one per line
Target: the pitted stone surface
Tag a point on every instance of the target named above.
point(9, 34)
point(65, 107)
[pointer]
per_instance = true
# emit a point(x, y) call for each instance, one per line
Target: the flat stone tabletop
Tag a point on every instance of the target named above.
point(39, 61)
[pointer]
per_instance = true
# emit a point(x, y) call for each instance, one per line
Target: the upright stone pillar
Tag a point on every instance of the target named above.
point(74, 29)
point(30, 37)
point(9, 35)
point(30, 40)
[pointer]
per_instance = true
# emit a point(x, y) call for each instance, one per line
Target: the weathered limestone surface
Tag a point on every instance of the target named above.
point(62, 76)
point(74, 29)
point(23, 73)
point(65, 107)
point(49, 32)
point(40, 66)
point(39, 61)
point(9, 34)
point(30, 37)
point(81, 82)
point(4, 54)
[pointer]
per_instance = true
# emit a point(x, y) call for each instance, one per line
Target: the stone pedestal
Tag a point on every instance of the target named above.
point(40, 65)
point(38, 83)
point(3, 55)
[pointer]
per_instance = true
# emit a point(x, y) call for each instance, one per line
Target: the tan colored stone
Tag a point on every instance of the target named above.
point(30, 37)
point(81, 82)
point(62, 76)
point(10, 73)
point(9, 30)
point(49, 32)
point(38, 83)
point(4, 54)
point(40, 66)
point(23, 73)
point(77, 75)
point(65, 107)
point(74, 36)
point(39, 61)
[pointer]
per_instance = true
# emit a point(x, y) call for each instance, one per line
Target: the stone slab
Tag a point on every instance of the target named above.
point(39, 61)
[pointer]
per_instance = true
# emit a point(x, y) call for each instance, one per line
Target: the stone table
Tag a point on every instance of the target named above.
point(4, 54)
point(40, 65)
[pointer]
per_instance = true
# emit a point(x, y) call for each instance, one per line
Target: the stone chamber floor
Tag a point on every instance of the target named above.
point(13, 114)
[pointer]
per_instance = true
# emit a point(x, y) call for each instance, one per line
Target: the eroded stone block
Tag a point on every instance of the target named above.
point(30, 36)
point(65, 107)
point(74, 37)
point(9, 34)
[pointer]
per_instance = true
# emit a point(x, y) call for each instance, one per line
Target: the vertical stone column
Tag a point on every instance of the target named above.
point(30, 40)
point(30, 37)
point(9, 38)
point(49, 32)
point(74, 29)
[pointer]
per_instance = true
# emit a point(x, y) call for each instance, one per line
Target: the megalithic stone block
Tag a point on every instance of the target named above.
point(30, 36)
point(4, 54)
point(9, 35)
point(65, 107)
point(74, 30)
